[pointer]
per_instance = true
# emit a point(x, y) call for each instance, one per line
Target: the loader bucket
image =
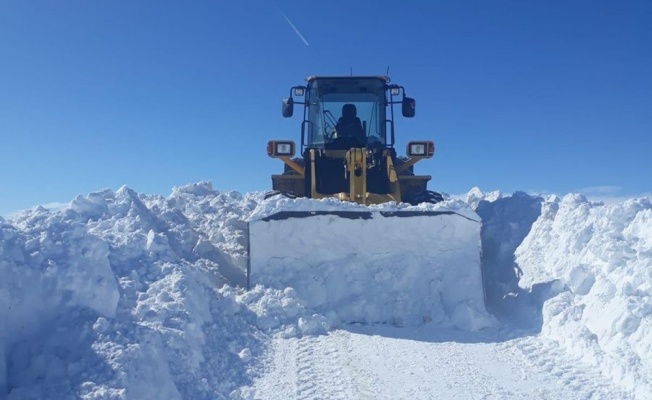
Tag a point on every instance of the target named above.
point(371, 265)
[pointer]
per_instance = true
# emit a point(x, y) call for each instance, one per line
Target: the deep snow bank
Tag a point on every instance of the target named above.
point(578, 270)
point(116, 297)
point(601, 256)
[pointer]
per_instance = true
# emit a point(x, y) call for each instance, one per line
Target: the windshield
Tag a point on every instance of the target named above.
point(330, 98)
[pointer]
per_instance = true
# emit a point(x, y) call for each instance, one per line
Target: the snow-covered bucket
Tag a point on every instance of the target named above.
point(401, 265)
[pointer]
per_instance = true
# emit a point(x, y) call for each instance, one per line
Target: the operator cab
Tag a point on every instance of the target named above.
point(336, 104)
point(348, 112)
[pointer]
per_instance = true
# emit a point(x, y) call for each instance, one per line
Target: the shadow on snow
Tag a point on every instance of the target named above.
point(506, 223)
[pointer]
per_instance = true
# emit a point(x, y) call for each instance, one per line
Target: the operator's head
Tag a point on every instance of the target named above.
point(349, 111)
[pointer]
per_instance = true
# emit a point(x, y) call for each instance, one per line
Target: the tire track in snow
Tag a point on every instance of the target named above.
point(307, 375)
point(386, 363)
point(418, 370)
point(362, 381)
point(319, 369)
point(580, 379)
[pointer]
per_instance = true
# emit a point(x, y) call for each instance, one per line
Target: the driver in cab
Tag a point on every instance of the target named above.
point(349, 125)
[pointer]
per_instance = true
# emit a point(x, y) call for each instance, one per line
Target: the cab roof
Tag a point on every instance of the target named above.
point(383, 78)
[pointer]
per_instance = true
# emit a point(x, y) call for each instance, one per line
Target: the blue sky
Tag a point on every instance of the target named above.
point(518, 95)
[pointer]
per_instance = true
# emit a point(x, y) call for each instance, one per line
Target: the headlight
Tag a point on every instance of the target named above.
point(420, 149)
point(417, 149)
point(284, 149)
point(278, 148)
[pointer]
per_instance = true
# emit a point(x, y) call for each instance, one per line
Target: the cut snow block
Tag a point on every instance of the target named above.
point(400, 267)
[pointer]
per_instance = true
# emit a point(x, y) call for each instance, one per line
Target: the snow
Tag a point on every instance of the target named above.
point(281, 204)
point(115, 297)
point(475, 196)
point(123, 295)
point(385, 362)
point(602, 256)
point(392, 275)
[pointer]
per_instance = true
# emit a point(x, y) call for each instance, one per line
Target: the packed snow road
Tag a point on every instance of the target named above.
point(381, 362)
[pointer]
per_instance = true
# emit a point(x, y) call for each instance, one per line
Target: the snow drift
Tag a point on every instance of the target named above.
point(116, 297)
point(124, 295)
point(578, 271)
point(601, 258)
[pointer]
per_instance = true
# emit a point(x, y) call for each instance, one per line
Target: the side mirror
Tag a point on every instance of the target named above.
point(288, 107)
point(408, 107)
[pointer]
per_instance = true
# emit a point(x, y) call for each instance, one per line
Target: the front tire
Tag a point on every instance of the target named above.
point(424, 196)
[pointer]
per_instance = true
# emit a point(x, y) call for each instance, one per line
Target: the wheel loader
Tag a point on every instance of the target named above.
point(348, 221)
point(347, 144)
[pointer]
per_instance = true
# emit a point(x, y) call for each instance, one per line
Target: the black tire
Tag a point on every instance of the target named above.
point(275, 193)
point(425, 196)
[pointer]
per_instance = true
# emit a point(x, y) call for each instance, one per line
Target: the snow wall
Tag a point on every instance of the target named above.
point(577, 271)
point(404, 267)
point(117, 297)
point(601, 258)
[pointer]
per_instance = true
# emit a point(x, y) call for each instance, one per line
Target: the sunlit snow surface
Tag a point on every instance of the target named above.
point(601, 257)
point(129, 296)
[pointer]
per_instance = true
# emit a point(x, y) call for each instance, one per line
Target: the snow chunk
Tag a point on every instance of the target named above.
point(313, 325)
point(245, 355)
point(201, 189)
point(475, 196)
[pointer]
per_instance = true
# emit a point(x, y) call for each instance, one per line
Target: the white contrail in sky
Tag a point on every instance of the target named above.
point(294, 27)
